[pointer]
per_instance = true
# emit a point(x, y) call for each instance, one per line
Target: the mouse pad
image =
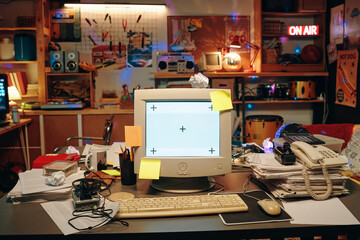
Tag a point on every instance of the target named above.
point(255, 214)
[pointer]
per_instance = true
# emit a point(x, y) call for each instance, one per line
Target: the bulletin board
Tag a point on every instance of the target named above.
point(197, 34)
point(119, 38)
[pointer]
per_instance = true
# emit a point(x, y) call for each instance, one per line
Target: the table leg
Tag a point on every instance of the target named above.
point(24, 147)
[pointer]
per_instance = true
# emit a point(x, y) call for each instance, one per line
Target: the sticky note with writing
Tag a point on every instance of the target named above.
point(221, 100)
point(149, 169)
point(133, 136)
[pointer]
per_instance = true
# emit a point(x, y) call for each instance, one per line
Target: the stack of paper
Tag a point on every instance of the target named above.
point(285, 181)
point(32, 187)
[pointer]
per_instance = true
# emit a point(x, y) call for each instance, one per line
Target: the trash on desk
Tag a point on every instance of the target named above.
point(66, 167)
point(55, 179)
point(71, 150)
point(199, 81)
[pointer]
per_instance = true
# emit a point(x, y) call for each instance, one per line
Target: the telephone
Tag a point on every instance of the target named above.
point(311, 155)
point(315, 157)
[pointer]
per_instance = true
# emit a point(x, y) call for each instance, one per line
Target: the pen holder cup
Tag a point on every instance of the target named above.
point(128, 176)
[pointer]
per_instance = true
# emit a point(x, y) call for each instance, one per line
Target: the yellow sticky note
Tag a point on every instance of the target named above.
point(112, 172)
point(221, 100)
point(149, 169)
point(133, 136)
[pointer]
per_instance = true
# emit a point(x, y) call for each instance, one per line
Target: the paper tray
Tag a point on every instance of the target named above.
point(255, 214)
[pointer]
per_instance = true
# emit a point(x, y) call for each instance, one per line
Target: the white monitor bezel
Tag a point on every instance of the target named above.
point(212, 67)
point(196, 166)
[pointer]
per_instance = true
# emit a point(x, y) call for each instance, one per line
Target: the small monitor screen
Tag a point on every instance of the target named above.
point(182, 129)
point(212, 59)
point(3, 95)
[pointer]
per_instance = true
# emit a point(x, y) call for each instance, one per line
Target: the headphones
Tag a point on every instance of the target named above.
point(86, 187)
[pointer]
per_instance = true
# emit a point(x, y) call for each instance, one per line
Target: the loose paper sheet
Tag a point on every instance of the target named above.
point(331, 212)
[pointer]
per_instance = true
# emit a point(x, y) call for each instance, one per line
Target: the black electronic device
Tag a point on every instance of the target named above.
point(295, 132)
point(4, 100)
point(57, 61)
point(71, 61)
point(284, 155)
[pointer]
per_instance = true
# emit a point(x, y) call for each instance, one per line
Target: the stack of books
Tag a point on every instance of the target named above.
point(286, 181)
point(32, 89)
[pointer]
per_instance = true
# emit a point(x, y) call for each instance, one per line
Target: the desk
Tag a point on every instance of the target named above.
point(23, 134)
point(31, 219)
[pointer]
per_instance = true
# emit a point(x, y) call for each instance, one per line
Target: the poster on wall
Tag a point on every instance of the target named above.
point(346, 77)
point(337, 24)
point(352, 26)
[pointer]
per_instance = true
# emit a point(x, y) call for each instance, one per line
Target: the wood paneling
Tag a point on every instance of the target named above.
point(57, 129)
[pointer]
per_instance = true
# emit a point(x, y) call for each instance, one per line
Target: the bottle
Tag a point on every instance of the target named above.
point(15, 115)
point(7, 49)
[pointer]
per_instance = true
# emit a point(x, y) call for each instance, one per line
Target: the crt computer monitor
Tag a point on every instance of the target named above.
point(4, 99)
point(180, 128)
point(210, 61)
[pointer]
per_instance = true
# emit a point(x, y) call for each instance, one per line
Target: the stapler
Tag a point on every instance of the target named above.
point(284, 155)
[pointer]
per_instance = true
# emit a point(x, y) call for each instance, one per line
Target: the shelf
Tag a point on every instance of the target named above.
point(14, 29)
point(67, 74)
point(167, 75)
point(279, 101)
point(30, 96)
point(17, 62)
point(291, 14)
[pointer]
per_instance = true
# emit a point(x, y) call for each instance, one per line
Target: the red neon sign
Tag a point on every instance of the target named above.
point(308, 30)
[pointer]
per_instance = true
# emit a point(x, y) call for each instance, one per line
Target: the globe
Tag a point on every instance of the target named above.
point(232, 62)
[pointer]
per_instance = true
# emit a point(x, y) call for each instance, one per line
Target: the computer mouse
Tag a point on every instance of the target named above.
point(270, 206)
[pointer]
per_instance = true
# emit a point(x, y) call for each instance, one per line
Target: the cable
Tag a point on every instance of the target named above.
point(327, 179)
point(245, 185)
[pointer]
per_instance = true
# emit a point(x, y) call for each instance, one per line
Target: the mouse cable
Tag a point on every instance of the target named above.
point(245, 186)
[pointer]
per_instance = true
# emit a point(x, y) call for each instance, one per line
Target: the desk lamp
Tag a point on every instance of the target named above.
point(236, 44)
point(13, 95)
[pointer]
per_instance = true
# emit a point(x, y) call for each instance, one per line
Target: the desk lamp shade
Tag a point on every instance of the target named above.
point(13, 95)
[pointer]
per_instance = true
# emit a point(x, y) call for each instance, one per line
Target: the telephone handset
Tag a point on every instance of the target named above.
point(313, 157)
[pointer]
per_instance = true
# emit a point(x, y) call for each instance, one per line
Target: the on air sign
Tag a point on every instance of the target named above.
point(309, 30)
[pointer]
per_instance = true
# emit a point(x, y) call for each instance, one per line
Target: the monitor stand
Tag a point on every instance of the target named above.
point(183, 185)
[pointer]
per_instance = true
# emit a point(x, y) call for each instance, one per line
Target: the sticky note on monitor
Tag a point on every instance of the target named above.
point(112, 172)
point(133, 136)
point(221, 100)
point(149, 169)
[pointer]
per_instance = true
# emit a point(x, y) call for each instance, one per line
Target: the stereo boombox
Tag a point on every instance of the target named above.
point(64, 61)
point(175, 62)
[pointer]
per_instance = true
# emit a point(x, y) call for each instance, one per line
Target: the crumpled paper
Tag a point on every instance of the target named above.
point(199, 81)
point(56, 178)
point(71, 150)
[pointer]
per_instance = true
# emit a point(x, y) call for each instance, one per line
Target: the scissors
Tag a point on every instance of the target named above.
point(124, 24)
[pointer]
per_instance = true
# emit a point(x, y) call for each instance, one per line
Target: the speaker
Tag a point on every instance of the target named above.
point(71, 61)
point(57, 61)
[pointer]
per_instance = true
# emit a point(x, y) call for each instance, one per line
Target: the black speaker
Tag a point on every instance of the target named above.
point(57, 61)
point(71, 61)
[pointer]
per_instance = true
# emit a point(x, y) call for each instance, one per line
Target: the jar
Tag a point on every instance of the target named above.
point(15, 115)
point(7, 49)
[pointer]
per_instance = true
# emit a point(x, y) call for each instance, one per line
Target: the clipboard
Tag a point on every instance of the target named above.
point(255, 214)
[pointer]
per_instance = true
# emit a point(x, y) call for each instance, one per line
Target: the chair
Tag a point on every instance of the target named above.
point(106, 135)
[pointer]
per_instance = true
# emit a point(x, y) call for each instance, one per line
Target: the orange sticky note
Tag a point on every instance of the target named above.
point(133, 137)
point(221, 100)
point(149, 169)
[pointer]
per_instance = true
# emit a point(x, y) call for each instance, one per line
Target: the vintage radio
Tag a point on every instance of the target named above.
point(175, 62)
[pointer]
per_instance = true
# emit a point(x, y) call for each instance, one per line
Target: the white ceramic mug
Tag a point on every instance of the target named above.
point(95, 157)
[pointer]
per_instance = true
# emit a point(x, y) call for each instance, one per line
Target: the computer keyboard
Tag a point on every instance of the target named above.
point(180, 206)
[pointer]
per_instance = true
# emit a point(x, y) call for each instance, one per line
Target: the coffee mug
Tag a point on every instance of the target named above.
point(96, 160)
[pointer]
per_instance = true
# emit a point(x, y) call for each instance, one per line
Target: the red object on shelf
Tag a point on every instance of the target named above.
point(45, 159)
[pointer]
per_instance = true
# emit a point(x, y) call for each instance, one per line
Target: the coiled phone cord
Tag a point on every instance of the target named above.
point(327, 179)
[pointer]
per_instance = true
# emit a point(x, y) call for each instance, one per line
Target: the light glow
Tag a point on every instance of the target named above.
point(97, 6)
point(308, 30)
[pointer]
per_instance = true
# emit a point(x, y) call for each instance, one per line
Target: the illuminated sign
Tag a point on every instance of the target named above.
point(309, 30)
